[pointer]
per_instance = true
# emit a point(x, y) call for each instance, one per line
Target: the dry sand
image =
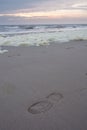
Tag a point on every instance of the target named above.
point(44, 88)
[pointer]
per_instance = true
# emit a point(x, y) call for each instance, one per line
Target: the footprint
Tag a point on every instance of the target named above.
point(69, 47)
point(54, 97)
point(18, 54)
point(14, 55)
point(40, 107)
point(85, 45)
point(86, 74)
point(83, 89)
point(10, 55)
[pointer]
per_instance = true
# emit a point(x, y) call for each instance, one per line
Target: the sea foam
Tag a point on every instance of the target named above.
point(41, 35)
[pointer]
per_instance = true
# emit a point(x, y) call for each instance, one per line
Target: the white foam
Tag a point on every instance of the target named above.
point(43, 38)
point(3, 51)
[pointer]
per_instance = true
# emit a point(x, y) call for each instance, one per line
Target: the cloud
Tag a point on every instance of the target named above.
point(41, 20)
point(82, 6)
point(37, 10)
point(40, 5)
point(56, 13)
point(8, 5)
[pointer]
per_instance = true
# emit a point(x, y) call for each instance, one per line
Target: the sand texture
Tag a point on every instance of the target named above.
point(44, 88)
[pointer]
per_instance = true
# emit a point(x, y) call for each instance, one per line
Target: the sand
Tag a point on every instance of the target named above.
point(44, 88)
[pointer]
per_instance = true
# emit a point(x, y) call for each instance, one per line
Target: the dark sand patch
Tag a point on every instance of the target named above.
point(40, 107)
point(83, 89)
point(85, 45)
point(14, 55)
point(86, 74)
point(7, 88)
point(55, 97)
point(69, 47)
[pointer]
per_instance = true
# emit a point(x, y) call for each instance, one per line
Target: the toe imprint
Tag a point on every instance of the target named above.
point(55, 96)
point(39, 107)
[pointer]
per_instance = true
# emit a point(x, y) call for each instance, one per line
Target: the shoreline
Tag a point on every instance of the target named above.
point(70, 43)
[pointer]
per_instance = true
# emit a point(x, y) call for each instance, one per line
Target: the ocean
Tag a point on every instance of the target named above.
point(40, 35)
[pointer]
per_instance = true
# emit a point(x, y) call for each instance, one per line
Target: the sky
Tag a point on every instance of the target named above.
point(43, 11)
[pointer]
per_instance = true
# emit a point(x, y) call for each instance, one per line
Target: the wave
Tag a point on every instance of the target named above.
point(40, 35)
point(38, 28)
point(41, 38)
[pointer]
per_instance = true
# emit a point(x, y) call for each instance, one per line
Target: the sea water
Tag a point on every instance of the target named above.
point(40, 35)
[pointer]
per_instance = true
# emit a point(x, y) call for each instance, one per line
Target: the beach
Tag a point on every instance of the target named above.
point(44, 87)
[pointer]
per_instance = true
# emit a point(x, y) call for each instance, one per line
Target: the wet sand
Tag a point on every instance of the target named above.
point(44, 88)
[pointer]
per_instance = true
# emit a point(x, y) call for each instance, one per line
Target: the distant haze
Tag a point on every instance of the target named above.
point(43, 11)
